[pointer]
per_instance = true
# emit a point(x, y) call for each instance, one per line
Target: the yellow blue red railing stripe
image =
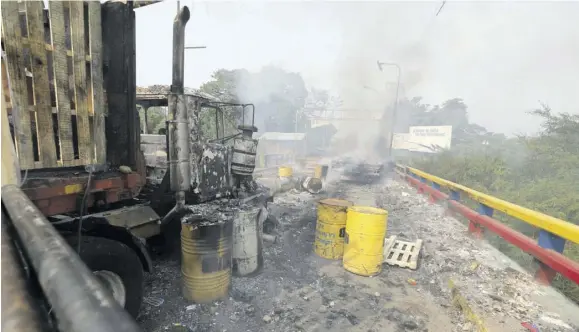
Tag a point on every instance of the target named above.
point(553, 232)
point(553, 225)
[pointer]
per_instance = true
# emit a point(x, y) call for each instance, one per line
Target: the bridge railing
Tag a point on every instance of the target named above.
point(553, 232)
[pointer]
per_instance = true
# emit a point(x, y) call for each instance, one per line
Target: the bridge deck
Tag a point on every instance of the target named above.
point(297, 291)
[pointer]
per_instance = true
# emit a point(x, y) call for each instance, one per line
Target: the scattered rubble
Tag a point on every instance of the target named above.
point(298, 291)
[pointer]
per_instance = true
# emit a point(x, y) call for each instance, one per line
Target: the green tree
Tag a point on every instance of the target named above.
point(539, 172)
point(225, 86)
point(276, 93)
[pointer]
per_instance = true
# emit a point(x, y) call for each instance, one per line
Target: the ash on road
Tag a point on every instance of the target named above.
point(298, 291)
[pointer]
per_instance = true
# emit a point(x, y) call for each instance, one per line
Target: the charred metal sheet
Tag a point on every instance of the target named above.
point(18, 308)
point(214, 174)
point(140, 220)
point(79, 301)
point(154, 148)
point(178, 143)
point(362, 173)
point(195, 146)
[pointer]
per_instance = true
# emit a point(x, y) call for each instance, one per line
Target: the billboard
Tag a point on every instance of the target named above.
point(401, 141)
point(429, 139)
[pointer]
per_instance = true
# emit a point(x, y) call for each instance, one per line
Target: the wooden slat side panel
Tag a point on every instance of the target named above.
point(6, 88)
point(10, 167)
point(96, 55)
point(60, 68)
point(80, 86)
point(17, 77)
point(43, 107)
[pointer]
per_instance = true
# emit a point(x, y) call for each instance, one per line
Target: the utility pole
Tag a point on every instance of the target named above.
point(296, 121)
point(393, 120)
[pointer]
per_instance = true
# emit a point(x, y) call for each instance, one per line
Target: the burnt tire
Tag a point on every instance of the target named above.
point(106, 255)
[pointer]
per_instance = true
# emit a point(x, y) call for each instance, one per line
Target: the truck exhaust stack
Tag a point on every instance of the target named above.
point(178, 125)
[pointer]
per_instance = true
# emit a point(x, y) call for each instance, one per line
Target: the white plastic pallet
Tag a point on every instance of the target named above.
point(401, 253)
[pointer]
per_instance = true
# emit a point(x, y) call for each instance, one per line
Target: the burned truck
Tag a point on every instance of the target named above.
point(70, 88)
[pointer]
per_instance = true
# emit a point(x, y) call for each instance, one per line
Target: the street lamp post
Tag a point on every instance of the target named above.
point(393, 120)
point(296, 122)
point(188, 47)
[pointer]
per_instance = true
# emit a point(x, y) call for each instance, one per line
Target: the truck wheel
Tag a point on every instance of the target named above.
point(116, 266)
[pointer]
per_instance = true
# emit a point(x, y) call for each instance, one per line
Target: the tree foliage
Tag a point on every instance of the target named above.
point(539, 172)
point(276, 93)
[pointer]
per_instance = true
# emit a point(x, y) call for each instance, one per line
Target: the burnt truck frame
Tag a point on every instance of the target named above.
point(78, 138)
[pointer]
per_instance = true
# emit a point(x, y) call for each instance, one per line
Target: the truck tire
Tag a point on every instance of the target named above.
point(117, 266)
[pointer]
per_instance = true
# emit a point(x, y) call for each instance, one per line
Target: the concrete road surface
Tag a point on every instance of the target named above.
point(298, 291)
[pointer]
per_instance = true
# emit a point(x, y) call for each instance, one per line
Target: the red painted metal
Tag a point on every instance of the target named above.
point(49, 194)
point(545, 274)
point(550, 258)
point(475, 230)
point(431, 199)
point(423, 187)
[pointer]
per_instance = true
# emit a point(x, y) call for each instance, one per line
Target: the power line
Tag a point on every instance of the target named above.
point(441, 6)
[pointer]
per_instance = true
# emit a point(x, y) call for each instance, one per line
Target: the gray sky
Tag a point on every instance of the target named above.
point(501, 57)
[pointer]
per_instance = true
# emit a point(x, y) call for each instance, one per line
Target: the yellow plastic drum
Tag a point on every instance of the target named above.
point(318, 170)
point(206, 260)
point(285, 171)
point(364, 240)
point(330, 228)
point(321, 171)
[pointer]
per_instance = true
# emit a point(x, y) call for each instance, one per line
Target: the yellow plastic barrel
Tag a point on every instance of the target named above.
point(206, 260)
point(321, 171)
point(364, 240)
point(285, 171)
point(318, 171)
point(330, 228)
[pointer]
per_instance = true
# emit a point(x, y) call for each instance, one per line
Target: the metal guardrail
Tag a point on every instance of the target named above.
point(561, 228)
point(553, 232)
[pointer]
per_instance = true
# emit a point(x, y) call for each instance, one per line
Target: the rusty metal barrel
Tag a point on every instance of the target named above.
point(247, 242)
point(310, 184)
point(206, 259)
point(331, 228)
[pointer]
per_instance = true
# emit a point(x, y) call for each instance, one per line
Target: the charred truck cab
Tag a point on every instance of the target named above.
point(219, 166)
point(70, 91)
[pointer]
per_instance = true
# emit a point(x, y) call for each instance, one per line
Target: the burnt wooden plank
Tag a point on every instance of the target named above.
point(96, 68)
point(17, 81)
point(133, 114)
point(80, 87)
point(119, 75)
point(56, 12)
point(44, 127)
point(10, 170)
point(5, 86)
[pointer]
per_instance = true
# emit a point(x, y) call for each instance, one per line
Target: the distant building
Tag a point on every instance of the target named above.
point(275, 148)
point(318, 139)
